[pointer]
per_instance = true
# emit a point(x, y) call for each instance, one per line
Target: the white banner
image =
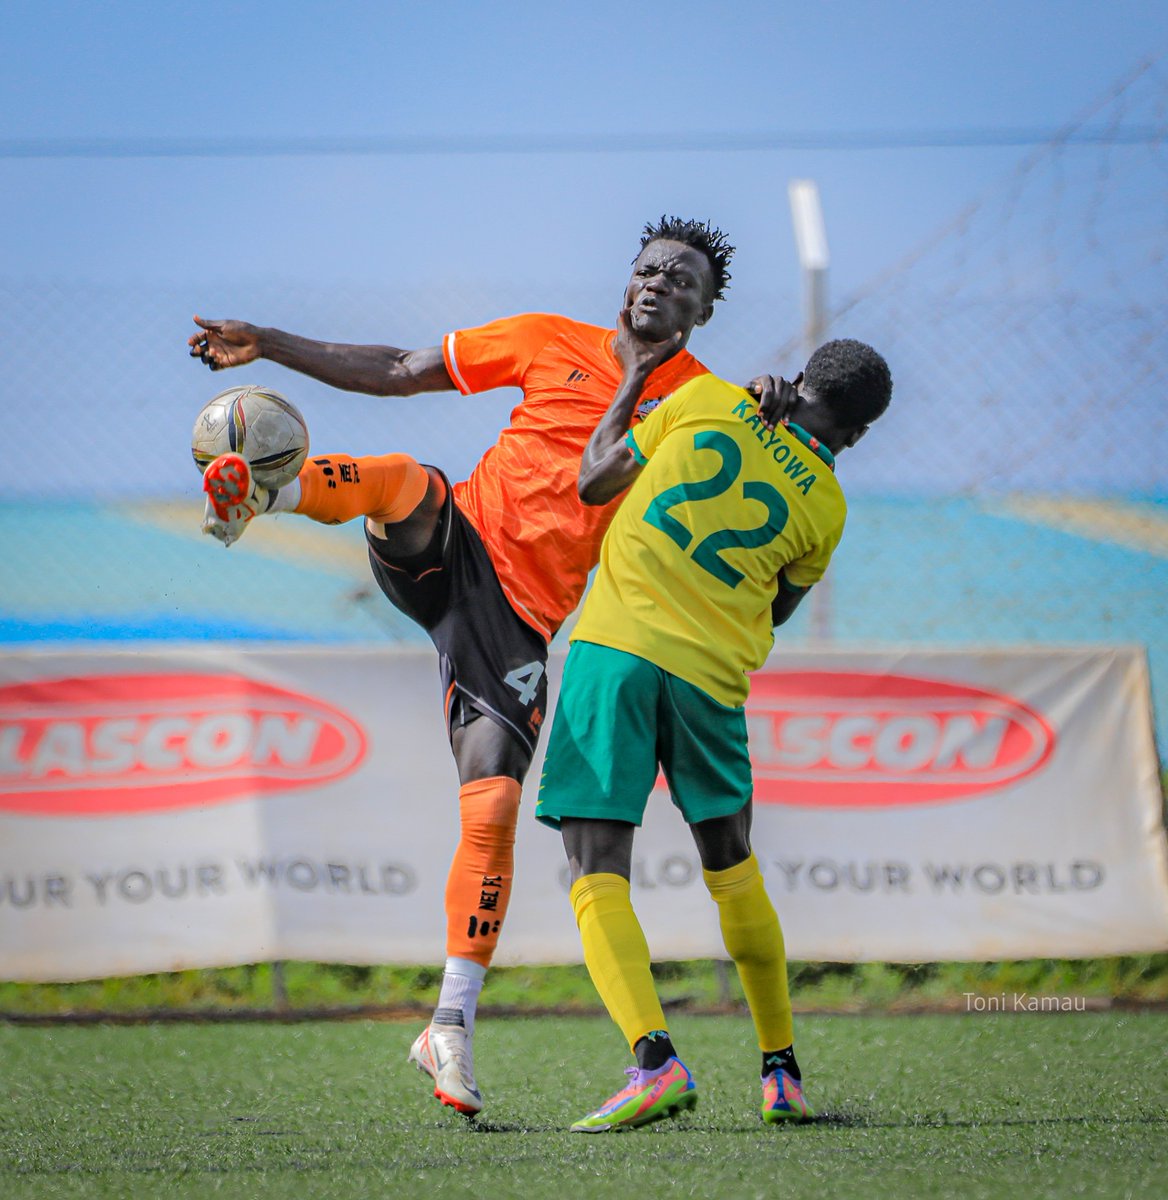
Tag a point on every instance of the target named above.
point(168, 807)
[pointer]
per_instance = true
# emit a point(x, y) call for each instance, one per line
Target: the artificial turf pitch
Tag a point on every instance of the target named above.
point(998, 1105)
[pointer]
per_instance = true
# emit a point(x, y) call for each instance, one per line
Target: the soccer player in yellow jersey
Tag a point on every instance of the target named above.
point(725, 527)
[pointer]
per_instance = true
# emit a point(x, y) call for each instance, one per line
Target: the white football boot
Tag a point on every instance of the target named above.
point(233, 498)
point(444, 1053)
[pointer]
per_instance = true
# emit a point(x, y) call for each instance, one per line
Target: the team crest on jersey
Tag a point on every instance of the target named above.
point(647, 406)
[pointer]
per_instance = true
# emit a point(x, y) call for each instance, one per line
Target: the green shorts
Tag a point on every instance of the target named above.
point(619, 716)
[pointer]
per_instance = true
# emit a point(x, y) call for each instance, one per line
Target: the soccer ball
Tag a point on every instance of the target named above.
point(258, 423)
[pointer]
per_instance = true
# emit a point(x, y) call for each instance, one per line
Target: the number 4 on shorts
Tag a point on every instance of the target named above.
point(525, 680)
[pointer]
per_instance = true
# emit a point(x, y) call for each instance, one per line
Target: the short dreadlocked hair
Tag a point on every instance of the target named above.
point(701, 236)
point(852, 378)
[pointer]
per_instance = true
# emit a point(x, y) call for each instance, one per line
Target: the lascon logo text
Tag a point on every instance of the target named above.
point(110, 744)
point(849, 739)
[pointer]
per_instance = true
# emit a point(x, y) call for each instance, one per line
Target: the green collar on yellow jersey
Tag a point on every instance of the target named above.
point(812, 443)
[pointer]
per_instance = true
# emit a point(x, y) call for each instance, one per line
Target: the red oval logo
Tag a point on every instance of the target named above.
point(857, 740)
point(104, 745)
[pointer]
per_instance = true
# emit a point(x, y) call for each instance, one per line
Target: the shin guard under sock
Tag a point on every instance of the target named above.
point(478, 888)
point(754, 940)
point(338, 488)
point(617, 955)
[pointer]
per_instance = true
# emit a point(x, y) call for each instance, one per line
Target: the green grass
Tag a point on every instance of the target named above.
point(929, 1106)
point(703, 985)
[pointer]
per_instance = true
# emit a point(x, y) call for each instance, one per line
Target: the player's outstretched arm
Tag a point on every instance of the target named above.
point(608, 466)
point(375, 370)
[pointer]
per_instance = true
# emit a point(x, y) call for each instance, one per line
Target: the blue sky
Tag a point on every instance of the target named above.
point(215, 72)
point(104, 258)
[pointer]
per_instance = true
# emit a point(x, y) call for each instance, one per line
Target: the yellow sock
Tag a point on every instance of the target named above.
point(754, 940)
point(616, 954)
point(385, 487)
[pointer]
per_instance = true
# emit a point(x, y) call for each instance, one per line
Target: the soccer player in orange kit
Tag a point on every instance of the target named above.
point(491, 566)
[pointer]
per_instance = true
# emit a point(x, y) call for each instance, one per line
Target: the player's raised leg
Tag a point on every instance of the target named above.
point(233, 498)
point(402, 497)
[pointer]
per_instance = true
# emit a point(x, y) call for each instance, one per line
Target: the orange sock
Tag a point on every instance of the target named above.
point(478, 888)
point(384, 487)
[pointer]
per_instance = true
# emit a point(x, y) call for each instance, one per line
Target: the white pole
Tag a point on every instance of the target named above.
point(811, 244)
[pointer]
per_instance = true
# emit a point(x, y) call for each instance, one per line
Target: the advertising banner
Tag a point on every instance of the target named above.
point(167, 807)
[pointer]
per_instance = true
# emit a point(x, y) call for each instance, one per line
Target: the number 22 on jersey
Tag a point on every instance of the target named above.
point(707, 554)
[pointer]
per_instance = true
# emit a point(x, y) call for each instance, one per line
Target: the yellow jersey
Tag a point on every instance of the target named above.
point(691, 562)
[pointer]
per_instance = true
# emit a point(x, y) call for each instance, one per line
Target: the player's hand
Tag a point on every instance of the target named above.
point(224, 343)
point(776, 397)
point(638, 356)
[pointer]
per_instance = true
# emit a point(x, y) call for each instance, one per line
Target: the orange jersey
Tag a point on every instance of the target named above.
point(522, 496)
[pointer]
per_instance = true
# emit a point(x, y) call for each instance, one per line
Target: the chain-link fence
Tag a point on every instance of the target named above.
point(1016, 491)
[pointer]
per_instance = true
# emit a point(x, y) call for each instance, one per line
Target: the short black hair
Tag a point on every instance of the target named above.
point(701, 235)
point(852, 378)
